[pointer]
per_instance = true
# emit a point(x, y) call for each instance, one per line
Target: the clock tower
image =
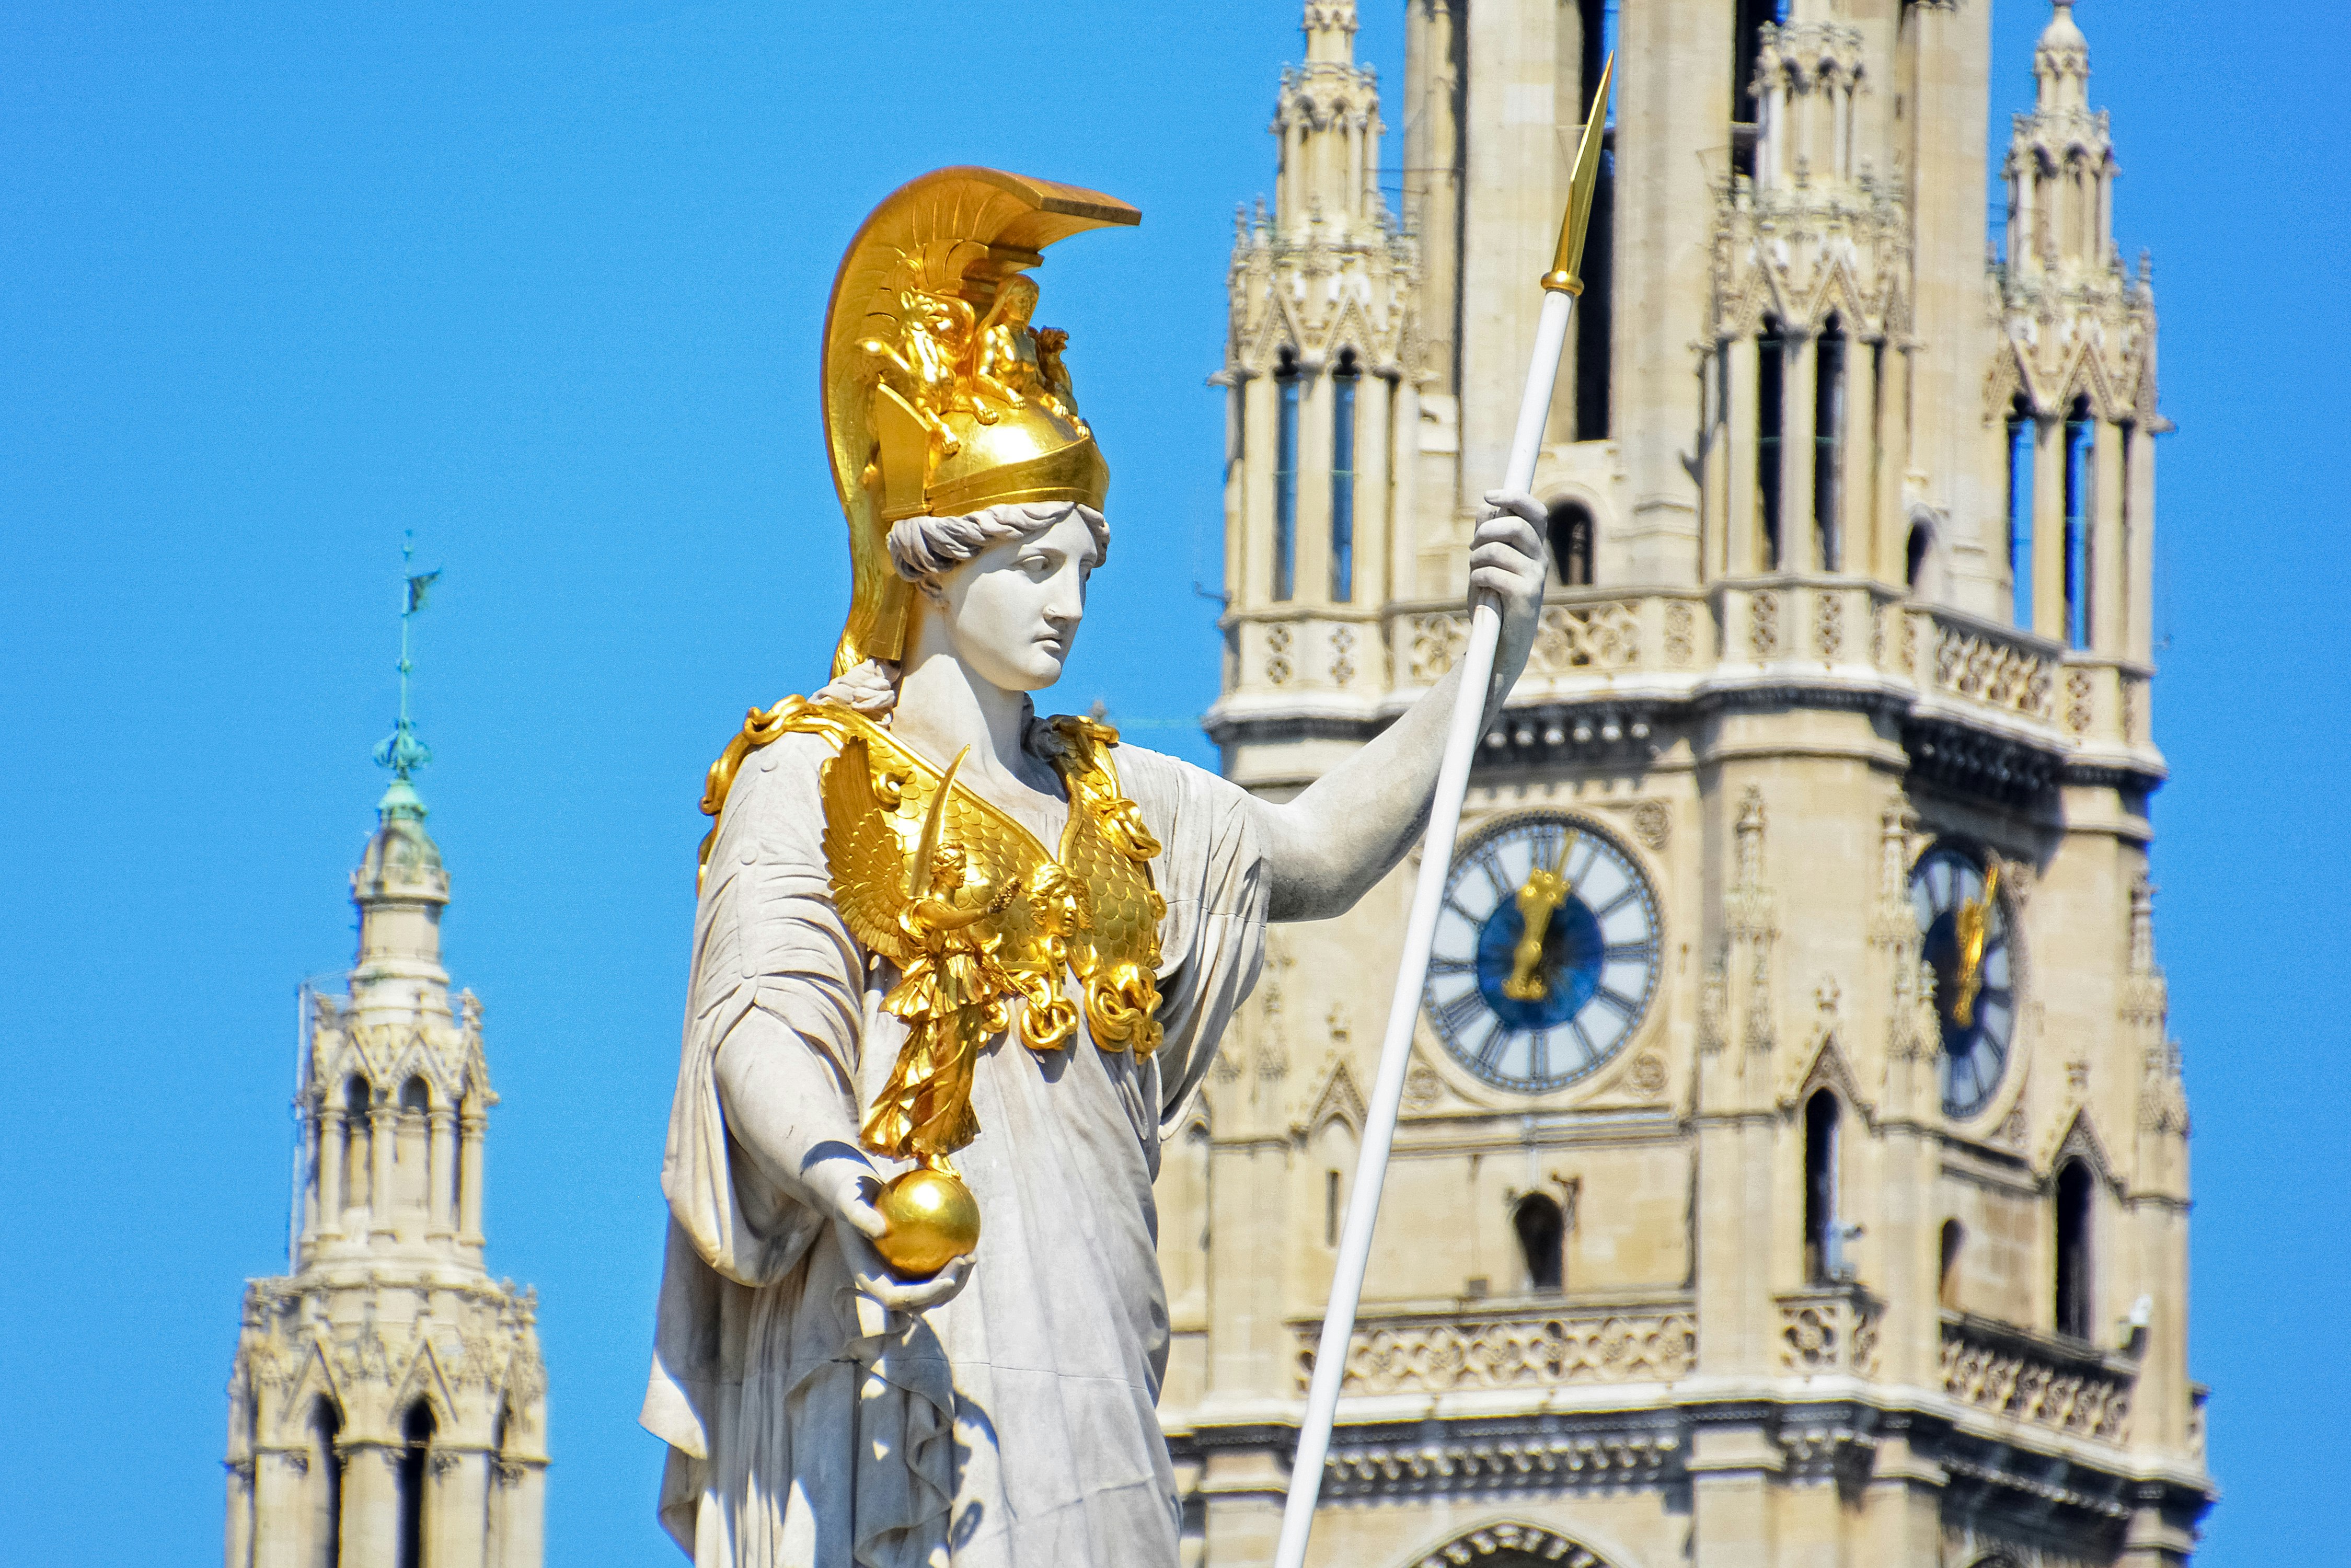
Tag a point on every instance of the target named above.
point(1793, 1161)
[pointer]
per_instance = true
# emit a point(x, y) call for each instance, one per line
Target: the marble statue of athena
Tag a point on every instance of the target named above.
point(911, 1313)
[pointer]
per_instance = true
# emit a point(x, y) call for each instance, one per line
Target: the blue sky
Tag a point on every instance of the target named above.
point(542, 283)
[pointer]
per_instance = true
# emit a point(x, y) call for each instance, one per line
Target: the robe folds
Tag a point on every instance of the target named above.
point(1015, 1425)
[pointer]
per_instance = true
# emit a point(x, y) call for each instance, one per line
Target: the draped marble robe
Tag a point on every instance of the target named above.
point(1015, 1425)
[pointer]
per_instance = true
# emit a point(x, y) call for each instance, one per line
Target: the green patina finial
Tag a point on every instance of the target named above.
point(401, 751)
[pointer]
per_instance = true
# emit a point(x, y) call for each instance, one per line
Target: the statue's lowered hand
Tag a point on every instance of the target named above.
point(845, 1186)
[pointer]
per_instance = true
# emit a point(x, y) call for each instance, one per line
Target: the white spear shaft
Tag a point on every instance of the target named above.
point(1477, 671)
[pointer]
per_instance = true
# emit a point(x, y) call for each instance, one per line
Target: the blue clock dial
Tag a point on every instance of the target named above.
point(1546, 954)
point(1975, 1000)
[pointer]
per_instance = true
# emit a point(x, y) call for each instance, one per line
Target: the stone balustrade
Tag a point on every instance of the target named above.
point(1666, 645)
point(2037, 1382)
point(1434, 1354)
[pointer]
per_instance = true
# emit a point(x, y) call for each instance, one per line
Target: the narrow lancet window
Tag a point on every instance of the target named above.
point(2081, 430)
point(1571, 544)
point(1543, 1235)
point(1947, 1292)
point(323, 1481)
point(409, 1478)
point(1343, 477)
point(1285, 480)
point(2021, 431)
point(1824, 1262)
point(1828, 445)
point(1771, 368)
point(2074, 1190)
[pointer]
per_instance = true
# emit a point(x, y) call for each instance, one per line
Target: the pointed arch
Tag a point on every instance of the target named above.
point(2076, 1137)
point(1338, 1101)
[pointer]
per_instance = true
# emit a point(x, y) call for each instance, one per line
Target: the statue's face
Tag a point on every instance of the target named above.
point(1011, 612)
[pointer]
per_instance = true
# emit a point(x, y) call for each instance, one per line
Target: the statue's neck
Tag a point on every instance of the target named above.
point(943, 706)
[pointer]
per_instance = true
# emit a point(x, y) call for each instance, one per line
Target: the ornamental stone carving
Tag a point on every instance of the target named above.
point(1532, 1351)
point(2009, 1380)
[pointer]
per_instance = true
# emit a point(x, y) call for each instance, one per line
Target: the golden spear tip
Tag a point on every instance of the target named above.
point(1566, 274)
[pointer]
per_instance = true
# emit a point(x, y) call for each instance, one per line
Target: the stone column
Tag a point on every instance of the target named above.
point(1892, 458)
point(371, 1505)
point(522, 1516)
point(469, 1180)
point(236, 1543)
point(1403, 494)
point(384, 1126)
point(2109, 570)
point(1799, 549)
point(281, 1508)
point(1742, 530)
point(1374, 485)
point(441, 1174)
point(1857, 526)
point(456, 1514)
point(333, 1150)
point(2138, 497)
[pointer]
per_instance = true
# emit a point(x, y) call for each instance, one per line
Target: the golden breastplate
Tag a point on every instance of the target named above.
point(1089, 909)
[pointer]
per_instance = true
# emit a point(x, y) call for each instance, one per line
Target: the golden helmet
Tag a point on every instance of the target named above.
point(941, 396)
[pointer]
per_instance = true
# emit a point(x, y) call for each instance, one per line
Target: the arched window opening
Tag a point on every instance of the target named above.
point(2081, 479)
point(1914, 556)
point(1947, 1287)
point(2021, 430)
point(1330, 1209)
point(1770, 368)
point(1823, 1259)
point(1748, 18)
point(1828, 445)
point(408, 1484)
point(1343, 476)
point(1285, 477)
point(2075, 1187)
point(324, 1483)
point(1569, 528)
point(1542, 1235)
point(414, 1097)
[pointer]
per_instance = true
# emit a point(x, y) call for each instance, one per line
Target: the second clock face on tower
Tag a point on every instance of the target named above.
point(1964, 924)
point(1546, 954)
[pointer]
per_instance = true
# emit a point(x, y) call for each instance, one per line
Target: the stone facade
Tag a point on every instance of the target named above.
point(388, 1406)
point(1805, 1260)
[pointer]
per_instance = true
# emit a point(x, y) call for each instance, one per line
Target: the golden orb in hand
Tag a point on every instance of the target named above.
point(934, 1220)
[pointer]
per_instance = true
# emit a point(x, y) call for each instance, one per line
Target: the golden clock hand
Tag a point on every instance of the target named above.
point(1539, 899)
point(1974, 922)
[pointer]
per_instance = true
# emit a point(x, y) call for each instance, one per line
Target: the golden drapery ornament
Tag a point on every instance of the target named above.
point(974, 911)
point(941, 398)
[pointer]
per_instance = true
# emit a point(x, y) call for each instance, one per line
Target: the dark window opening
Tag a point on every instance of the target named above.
point(1748, 17)
point(1770, 368)
point(1828, 445)
point(1914, 556)
point(408, 1486)
point(1542, 1233)
point(1946, 1288)
point(2081, 434)
point(1822, 1260)
point(1343, 477)
point(1330, 1209)
point(2021, 430)
point(326, 1530)
point(414, 1095)
point(1285, 479)
point(1594, 313)
point(1571, 543)
point(2074, 1190)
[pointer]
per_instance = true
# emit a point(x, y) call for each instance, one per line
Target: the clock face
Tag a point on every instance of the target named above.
point(1546, 952)
point(1947, 890)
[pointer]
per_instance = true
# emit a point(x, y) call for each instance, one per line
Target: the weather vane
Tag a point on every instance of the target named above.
point(401, 751)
